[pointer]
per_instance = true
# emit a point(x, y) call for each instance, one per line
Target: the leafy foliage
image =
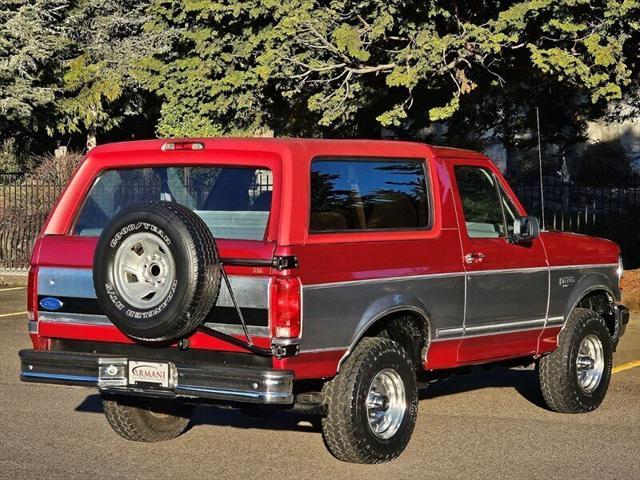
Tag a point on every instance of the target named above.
point(309, 67)
point(31, 42)
point(234, 64)
point(109, 47)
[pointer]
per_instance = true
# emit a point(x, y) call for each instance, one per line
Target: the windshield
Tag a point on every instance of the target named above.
point(234, 202)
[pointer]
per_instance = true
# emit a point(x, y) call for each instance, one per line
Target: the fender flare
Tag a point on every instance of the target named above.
point(383, 307)
point(588, 283)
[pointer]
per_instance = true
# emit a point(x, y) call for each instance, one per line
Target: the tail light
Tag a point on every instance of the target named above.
point(39, 343)
point(32, 294)
point(285, 307)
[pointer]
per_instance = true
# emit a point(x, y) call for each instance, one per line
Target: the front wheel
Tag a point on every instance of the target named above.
point(146, 421)
point(575, 377)
point(372, 404)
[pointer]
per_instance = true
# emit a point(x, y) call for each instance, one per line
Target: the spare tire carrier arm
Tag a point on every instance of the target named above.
point(279, 263)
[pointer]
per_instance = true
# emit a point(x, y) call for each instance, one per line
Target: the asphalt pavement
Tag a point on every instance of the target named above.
point(485, 424)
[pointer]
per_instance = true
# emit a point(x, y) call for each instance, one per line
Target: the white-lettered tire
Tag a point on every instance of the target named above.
point(156, 271)
point(372, 403)
point(143, 420)
point(575, 377)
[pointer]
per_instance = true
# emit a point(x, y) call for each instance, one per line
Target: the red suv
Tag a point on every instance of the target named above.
point(330, 277)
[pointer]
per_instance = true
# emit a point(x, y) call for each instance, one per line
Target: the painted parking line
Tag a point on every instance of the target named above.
point(12, 314)
point(11, 288)
point(626, 366)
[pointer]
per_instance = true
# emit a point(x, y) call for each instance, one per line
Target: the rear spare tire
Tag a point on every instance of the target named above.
point(156, 271)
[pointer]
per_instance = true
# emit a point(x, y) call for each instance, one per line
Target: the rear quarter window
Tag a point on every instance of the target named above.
point(368, 194)
point(234, 202)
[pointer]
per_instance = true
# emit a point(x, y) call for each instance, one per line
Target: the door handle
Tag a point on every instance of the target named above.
point(474, 257)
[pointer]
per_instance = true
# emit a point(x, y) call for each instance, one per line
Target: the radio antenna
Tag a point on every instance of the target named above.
point(540, 163)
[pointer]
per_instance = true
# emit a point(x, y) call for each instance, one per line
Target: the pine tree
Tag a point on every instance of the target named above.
point(32, 43)
point(109, 47)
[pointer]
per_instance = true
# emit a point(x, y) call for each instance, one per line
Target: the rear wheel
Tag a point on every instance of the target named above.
point(372, 404)
point(146, 421)
point(575, 377)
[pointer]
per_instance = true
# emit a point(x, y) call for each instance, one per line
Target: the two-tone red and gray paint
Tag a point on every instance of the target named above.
point(511, 304)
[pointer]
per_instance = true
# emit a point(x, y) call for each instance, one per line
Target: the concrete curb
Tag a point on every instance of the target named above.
point(13, 277)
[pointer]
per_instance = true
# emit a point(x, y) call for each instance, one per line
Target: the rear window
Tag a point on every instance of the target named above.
point(234, 202)
point(368, 194)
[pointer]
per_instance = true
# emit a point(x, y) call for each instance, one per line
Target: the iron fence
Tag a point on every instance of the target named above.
point(576, 208)
point(611, 211)
point(568, 197)
point(24, 206)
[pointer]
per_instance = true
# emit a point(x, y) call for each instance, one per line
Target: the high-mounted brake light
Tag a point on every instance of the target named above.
point(169, 146)
point(285, 307)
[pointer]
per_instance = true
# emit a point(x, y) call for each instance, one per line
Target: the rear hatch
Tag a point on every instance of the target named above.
point(236, 203)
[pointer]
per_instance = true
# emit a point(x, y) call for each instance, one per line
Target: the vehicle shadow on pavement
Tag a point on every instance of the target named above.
point(525, 382)
point(229, 417)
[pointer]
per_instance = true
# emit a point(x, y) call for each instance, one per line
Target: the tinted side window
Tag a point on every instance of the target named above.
point(350, 194)
point(480, 202)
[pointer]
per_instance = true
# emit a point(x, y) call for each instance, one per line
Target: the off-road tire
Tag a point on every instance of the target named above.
point(345, 428)
point(557, 372)
point(197, 272)
point(135, 419)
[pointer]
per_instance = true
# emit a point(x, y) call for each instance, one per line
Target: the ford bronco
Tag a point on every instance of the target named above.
point(329, 277)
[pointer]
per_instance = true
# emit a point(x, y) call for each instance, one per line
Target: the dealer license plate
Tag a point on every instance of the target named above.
point(150, 374)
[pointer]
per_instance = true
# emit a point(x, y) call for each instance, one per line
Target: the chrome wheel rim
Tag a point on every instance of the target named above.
point(590, 363)
point(143, 270)
point(386, 403)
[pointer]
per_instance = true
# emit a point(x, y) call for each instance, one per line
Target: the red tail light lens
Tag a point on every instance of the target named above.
point(285, 307)
point(32, 294)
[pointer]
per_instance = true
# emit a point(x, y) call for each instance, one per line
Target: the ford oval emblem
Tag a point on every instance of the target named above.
point(50, 303)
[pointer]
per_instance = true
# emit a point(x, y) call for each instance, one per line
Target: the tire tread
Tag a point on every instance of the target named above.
point(128, 422)
point(340, 433)
point(559, 388)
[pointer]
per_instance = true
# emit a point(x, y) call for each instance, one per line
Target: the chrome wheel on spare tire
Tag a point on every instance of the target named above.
point(156, 271)
point(143, 270)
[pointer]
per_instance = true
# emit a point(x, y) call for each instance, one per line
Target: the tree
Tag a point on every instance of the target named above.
point(109, 50)
point(354, 67)
point(603, 163)
point(32, 39)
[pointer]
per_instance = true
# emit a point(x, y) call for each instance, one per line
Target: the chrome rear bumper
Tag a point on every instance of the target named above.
point(193, 380)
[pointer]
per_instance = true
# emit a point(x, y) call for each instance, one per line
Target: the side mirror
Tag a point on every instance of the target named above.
point(525, 229)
